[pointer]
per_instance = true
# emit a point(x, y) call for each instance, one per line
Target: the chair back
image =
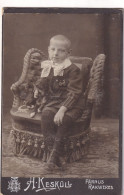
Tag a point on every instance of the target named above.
point(91, 73)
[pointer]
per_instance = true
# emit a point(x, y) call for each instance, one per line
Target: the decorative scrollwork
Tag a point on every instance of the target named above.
point(96, 77)
point(31, 68)
point(94, 90)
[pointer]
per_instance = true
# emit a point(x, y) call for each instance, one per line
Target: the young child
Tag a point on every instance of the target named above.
point(65, 95)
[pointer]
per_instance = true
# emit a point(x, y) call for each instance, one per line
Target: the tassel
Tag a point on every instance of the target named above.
point(28, 150)
point(18, 144)
point(86, 146)
point(24, 151)
point(35, 148)
point(48, 155)
point(35, 152)
point(44, 159)
point(44, 156)
point(70, 149)
point(78, 150)
point(40, 153)
point(82, 150)
point(12, 142)
point(73, 156)
point(78, 154)
point(65, 153)
point(41, 150)
point(30, 146)
point(83, 147)
point(23, 145)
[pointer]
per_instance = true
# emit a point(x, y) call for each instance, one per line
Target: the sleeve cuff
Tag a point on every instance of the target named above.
point(69, 102)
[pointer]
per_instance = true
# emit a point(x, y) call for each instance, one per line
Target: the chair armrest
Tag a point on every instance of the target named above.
point(96, 77)
point(32, 60)
point(95, 85)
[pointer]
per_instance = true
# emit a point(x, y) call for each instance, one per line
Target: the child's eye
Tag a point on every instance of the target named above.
point(53, 49)
point(62, 50)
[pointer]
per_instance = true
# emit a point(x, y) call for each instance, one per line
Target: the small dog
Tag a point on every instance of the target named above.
point(40, 96)
point(27, 93)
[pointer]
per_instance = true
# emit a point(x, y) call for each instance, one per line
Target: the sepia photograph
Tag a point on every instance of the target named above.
point(62, 94)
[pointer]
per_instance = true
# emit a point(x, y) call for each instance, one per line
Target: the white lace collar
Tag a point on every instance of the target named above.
point(58, 68)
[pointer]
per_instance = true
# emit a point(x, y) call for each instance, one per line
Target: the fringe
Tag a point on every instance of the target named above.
point(24, 144)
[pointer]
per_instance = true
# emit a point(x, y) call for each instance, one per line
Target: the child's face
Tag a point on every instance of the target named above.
point(58, 51)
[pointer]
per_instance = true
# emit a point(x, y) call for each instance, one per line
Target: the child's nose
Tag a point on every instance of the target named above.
point(56, 52)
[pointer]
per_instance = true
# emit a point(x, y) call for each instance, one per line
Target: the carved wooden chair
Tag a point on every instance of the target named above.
point(26, 132)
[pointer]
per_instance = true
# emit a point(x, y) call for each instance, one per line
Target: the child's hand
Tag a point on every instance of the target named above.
point(58, 118)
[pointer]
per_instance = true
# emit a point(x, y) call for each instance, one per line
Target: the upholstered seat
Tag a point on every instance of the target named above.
point(26, 131)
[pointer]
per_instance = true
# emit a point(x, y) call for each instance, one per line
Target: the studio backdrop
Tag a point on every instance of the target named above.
point(90, 34)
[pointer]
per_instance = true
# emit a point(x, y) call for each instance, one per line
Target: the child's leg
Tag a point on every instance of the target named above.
point(48, 126)
point(58, 145)
point(63, 129)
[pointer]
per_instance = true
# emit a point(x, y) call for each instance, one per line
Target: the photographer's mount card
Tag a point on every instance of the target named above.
point(62, 101)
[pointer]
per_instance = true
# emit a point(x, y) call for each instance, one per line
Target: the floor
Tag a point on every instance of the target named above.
point(100, 162)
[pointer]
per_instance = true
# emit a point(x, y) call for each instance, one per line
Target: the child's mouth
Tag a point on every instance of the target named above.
point(55, 59)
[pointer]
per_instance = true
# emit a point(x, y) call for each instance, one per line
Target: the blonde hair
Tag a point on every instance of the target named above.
point(62, 38)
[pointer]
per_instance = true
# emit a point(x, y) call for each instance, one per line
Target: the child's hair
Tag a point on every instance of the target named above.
point(63, 38)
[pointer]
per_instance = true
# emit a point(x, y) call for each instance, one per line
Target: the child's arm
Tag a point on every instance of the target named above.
point(75, 89)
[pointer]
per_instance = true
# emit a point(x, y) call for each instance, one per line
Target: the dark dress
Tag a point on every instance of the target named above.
point(66, 90)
